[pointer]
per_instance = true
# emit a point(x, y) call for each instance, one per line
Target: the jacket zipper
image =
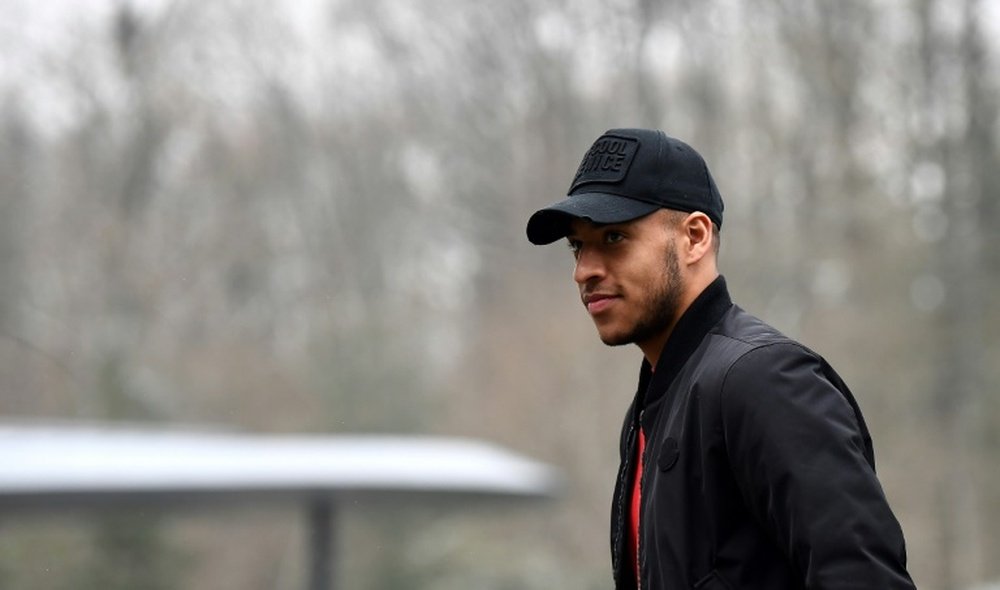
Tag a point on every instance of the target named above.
point(621, 526)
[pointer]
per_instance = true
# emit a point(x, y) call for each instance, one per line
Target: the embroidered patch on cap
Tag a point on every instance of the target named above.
point(607, 160)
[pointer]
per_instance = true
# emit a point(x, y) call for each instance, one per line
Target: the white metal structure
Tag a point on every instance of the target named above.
point(49, 467)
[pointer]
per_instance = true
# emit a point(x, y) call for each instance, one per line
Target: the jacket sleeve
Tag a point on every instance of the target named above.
point(798, 452)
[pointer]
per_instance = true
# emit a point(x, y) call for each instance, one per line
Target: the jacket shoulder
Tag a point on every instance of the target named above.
point(754, 363)
point(739, 333)
point(743, 340)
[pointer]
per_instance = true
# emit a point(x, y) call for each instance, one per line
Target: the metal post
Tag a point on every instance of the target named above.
point(322, 557)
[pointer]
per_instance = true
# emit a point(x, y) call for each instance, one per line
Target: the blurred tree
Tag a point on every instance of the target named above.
point(965, 151)
point(129, 553)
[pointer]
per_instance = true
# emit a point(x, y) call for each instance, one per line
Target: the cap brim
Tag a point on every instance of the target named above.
point(552, 223)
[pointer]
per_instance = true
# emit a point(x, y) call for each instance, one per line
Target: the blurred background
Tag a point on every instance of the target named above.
point(308, 217)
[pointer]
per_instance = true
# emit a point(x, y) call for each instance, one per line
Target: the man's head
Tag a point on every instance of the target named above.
point(627, 174)
point(642, 219)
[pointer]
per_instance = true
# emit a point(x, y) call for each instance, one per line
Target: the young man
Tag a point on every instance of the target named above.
point(745, 461)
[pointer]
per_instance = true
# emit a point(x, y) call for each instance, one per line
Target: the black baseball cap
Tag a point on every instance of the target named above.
point(627, 174)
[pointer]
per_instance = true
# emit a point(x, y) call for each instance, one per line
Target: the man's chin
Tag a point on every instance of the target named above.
point(615, 339)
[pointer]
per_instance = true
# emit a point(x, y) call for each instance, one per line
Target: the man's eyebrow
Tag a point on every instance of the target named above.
point(621, 225)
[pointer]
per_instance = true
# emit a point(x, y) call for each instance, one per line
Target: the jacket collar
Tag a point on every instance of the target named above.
point(695, 323)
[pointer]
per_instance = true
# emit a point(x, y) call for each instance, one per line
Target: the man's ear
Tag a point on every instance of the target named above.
point(696, 230)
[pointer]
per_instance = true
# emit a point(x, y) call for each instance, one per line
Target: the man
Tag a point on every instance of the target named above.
point(745, 461)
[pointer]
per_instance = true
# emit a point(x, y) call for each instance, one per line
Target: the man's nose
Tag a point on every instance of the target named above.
point(589, 266)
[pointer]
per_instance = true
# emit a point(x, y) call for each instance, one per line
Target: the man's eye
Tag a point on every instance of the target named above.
point(574, 246)
point(613, 237)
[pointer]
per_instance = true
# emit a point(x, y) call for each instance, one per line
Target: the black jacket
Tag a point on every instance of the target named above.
point(759, 471)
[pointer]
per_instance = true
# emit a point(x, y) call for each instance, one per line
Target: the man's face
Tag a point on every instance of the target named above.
point(629, 277)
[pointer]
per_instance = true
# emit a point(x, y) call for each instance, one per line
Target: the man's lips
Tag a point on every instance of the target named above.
point(598, 302)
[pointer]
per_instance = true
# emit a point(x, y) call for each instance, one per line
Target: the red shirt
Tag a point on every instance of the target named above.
point(633, 520)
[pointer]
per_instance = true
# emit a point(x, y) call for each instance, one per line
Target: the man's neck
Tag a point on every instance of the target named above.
point(653, 347)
